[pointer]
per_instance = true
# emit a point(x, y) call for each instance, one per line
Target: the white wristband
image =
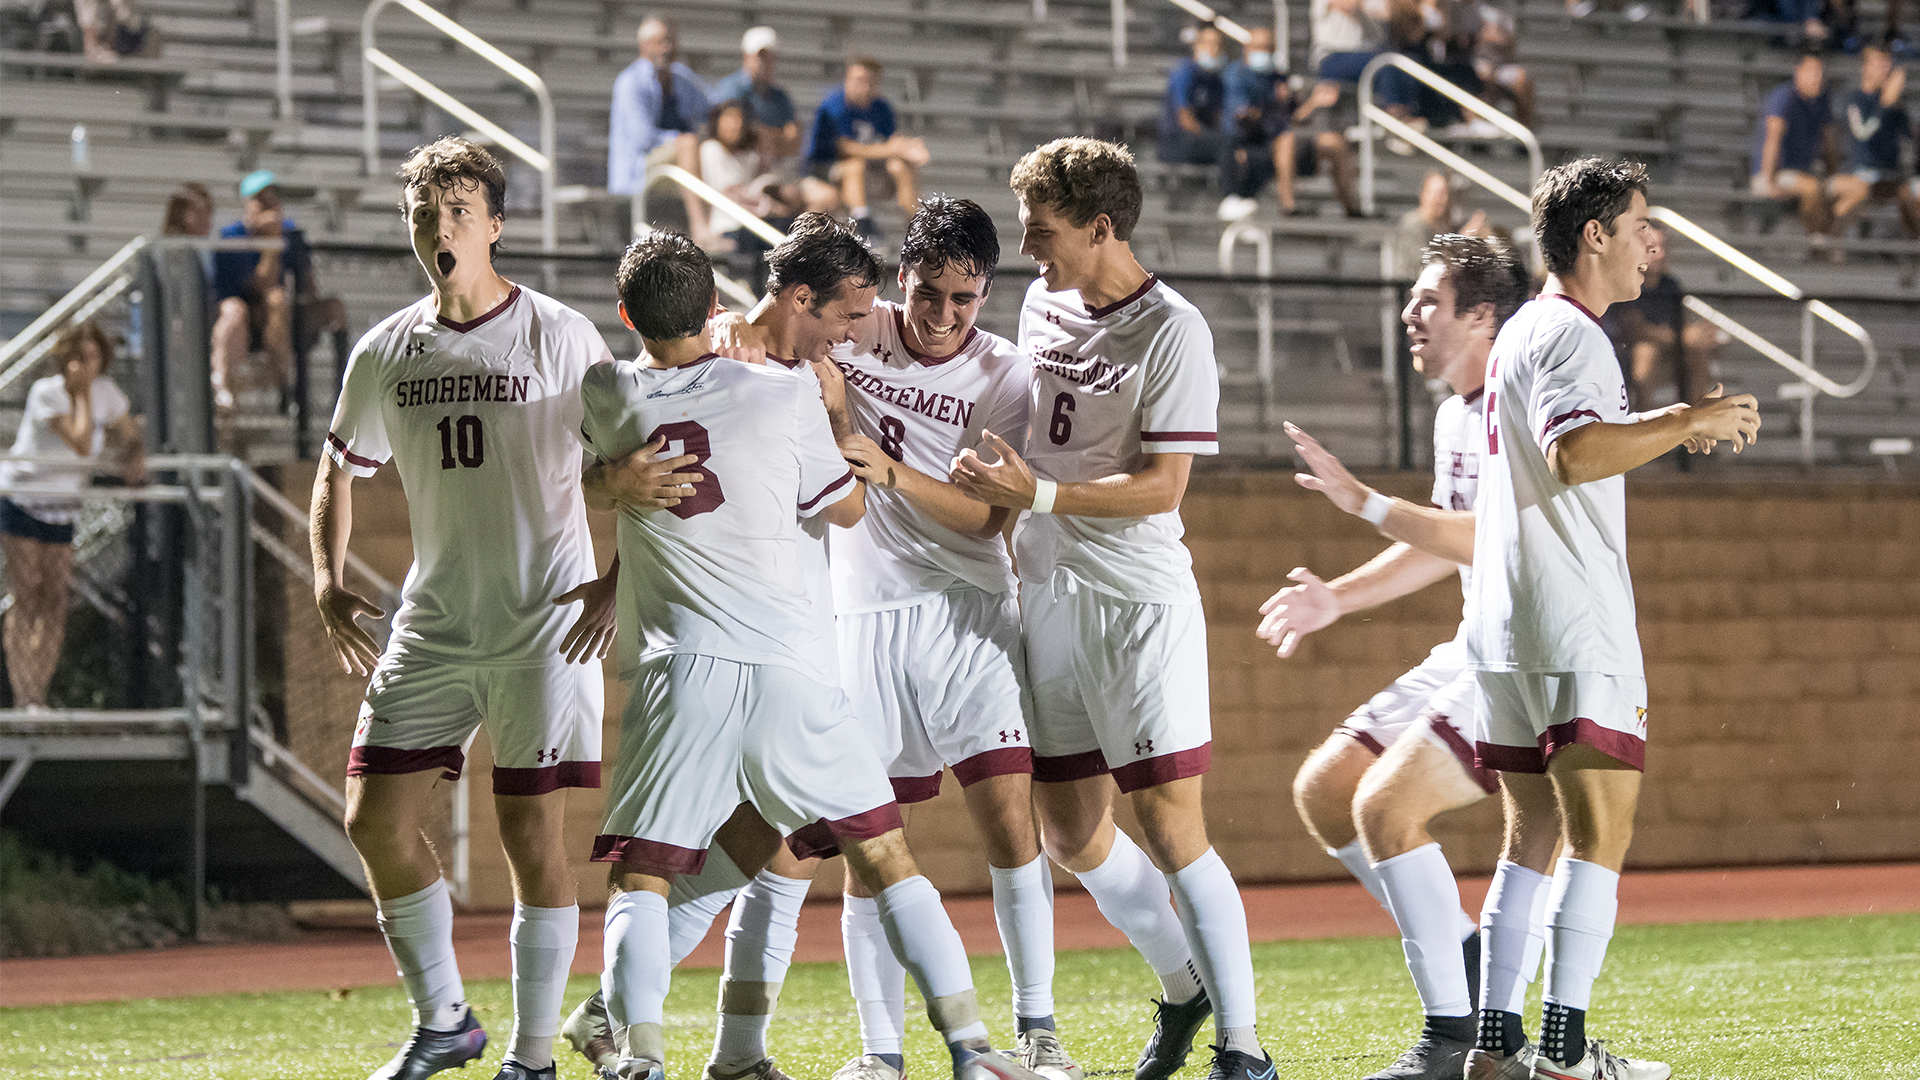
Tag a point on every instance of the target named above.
point(1043, 494)
point(1374, 511)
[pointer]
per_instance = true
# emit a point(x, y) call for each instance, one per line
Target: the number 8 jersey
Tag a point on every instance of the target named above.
point(482, 419)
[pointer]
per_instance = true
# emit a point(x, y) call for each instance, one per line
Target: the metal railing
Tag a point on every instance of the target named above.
point(1371, 114)
point(372, 59)
point(1282, 27)
point(108, 279)
point(715, 198)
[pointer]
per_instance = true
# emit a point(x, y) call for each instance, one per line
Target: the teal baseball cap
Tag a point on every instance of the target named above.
point(256, 181)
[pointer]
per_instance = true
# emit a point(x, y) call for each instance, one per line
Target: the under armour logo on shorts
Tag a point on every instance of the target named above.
point(1010, 736)
point(542, 755)
point(1143, 748)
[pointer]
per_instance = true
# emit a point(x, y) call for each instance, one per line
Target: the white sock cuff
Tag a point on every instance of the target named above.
point(1017, 875)
point(1195, 872)
point(1416, 855)
point(914, 890)
point(404, 916)
point(634, 902)
point(858, 907)
point(545, 927)
point(1585, 898)
point(1119, 867)
point(1515, 889)
point(786, 888)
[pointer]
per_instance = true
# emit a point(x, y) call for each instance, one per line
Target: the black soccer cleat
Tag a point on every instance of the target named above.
point(428, 1052)
point(1236, 1065)
point(513, 1070)
point(1431, 1057)
point(1174, 1026)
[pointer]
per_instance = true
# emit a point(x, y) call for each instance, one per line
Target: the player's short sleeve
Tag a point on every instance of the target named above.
point(1576, 385)
point(600, 407)
point(825, 477)
point(1180, 400)
point(580, 349)
point(1009, 407)
point(357, 438)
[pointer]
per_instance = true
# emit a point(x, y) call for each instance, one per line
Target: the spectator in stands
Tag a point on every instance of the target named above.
point(1346, 36)
point(189, 211)
point(658, 107)
point(855, 127)
point(1270, 136)
point(730, 159)
point(1432, 215)
point(1644, 332)
point(256, 291)
point(111, 29)
point(1495, 47)
point(1875, 127)
point(69, 414)
point(1190, 113)
point(1790, 143)
point(776, 126)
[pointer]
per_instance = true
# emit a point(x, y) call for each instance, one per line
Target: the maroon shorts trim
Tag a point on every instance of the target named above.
point(648, 856)
point(913, 789)
point(1006, 761)
point(1488, 780)
point(1068, 767)
point(821, 840)
point(1362, 738)
point(1627, 749)
point(580, 774)
point(1164, 769)
point(813, 841)
point(392, 761)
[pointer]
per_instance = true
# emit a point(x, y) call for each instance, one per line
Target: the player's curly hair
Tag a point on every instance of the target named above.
point(456, 163)
point(1080, 179)
point(1483, 270)
point(666, 284)
point(823, 255)
point(1568, 196)
point(952, 233)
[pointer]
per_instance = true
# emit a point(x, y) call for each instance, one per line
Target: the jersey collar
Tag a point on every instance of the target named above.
point(474, 324)
point(1578, 304)
point(1103, 312)
point(900, 327)
point(790, 365)
point(1475, 396)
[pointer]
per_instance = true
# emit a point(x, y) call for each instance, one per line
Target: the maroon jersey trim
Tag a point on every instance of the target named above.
point(479, 321)
point(1103, 312)
point(340, 444)
point(918, 357)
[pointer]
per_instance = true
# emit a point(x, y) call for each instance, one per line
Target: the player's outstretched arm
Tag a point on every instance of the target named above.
point(1596, 451)
point(1446, 534)
point(1009, 482)
point(939, 500)
point(1311, 604)
point(591, 635)
point(641, 480)
point(330, 523)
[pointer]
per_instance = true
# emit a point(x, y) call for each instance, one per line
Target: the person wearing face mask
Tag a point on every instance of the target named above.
point(1270, 134)
point(1190, 128)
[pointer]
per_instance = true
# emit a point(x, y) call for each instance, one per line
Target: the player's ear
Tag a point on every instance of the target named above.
point(713, 305)
point(1595, 234)
point(802, 295)
point(622, 306)
point(1102, 228)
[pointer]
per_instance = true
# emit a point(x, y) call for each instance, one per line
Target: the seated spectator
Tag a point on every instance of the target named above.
point(111, 29)
point(658, 107)
point(1645, 332)
point(1875, 127)
point(776, 126)
point(255, 291)
point(1432, 215)
point(1495, 47)
point(1345, 37)
point(1190, 130)
point(69, 414)
point(853, 127)
point(189, 211)
point(1270, 137)
point(730, 160)
point(1790, 142)
point(1804, 13)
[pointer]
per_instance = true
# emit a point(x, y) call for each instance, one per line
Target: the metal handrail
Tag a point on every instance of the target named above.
point(1371, 114)
point(544, 159)
point(63, 308)
point(283, 57)
point(713, 197)
point(1282, 28)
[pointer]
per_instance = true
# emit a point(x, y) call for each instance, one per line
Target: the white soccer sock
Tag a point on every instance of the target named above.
point(1023, 910)
point(695, 900)
point(760, 940)
point(543, 941)
point(1354, 858)
point(1580, 914)
point(419, 932)
point(1425, 902)
point(638, 969)
point(1215, 921)
point(874, 974)
point(927, 945)
point(1134, 897)
point(1510, 926)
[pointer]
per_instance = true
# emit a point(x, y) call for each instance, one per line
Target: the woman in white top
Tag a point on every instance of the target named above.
point(68, 415)
point(730, 161)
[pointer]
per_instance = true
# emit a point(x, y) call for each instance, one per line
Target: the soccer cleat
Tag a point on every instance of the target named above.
point(1039, 1049)
point(588, 1032)
point(1598, 1064)
point(764, 1069)
point(1487, 1065)
point(1174, 1027)
point(513, 1070)
point(428, 1052)
point(639, 1069)
point(867, 1067)
point(1236, 1065)
point(1432, 1057)
point(988, 1065)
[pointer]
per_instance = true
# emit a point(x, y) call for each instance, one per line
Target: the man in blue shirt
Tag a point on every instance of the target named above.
point(252, 290)
point(769, 108)
point(1789, 142)
point(1874, 128)
point(854, 127)
point(658, 107)
point(1190, 129)
point(1269, 136)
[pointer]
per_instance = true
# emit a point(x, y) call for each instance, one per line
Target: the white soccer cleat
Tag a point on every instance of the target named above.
point(990, 1065)
point(587, 1031)
point(639, 1069)
point(1599, 1065)
point(867, 1067)
point(1040, 1051)
point(1486, 1065)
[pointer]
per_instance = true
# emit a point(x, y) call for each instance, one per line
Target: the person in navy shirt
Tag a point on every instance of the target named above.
point(1190, 115)
point(658, 107)
point(1874, 125)
point(255, 291)
point(854, 128)
point(1790, 142)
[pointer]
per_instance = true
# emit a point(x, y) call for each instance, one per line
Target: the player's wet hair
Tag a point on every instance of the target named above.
point(1483, 270)
point(453, 162)
point(1080, 179)
point(823, 255)
point(951, 233)
point(666, 283)
point(1568, 196)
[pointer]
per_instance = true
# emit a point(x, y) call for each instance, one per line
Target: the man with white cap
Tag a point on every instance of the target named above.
point(768, 106)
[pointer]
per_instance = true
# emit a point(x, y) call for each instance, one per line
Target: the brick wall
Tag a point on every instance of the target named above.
point(1781, 625)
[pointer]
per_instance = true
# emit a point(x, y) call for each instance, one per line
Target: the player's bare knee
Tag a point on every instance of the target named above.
point(1323, 789)
point(882, 861)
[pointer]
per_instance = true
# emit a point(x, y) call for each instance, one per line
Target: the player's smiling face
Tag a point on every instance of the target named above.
point(452, 233)
point(1626, 255)
point(942, 306)
point(828, 323)
point(1063, 252)
point(1442, 338)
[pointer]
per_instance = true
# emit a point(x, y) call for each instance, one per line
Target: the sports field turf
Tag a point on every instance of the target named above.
point(1835, 999)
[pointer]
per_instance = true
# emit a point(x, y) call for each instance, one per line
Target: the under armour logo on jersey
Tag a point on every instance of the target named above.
point(1053, 317)
point(885, 354)
point(1010, 736)
point(1143, 748)
point(543, 755)
point(414, 348)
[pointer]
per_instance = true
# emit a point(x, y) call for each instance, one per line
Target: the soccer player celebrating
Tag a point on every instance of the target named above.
point(1550, 615)
point(1124, 393)
point(473, 392)
point(731, 660)
point(1404, 757)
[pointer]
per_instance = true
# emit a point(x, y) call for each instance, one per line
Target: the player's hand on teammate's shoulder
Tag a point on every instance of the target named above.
point(591, 635)
point(868, 461)
point(1326, 475)
point(1717, 417)
point(1296, 611)
point(645, 481)
point(730, 335)
point(1007, 482)
point(352, 645)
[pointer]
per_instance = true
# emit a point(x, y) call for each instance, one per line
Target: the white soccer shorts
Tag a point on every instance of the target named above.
point(1436, 701)
point(1525, 717)
point(1118, 686)
point(543, 721)
point(702, 735)
point(940, 683)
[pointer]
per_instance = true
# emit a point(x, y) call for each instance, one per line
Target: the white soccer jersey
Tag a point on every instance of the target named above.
point(1459, 432)
point(1111, 385)
point(1551, 592)
point(725, 572)
point(922, 412)
point(482, 420)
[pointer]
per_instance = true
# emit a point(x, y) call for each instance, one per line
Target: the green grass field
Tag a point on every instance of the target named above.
point(1834, 999)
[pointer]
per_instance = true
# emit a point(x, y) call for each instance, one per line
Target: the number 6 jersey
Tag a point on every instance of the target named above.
point(482, 420)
